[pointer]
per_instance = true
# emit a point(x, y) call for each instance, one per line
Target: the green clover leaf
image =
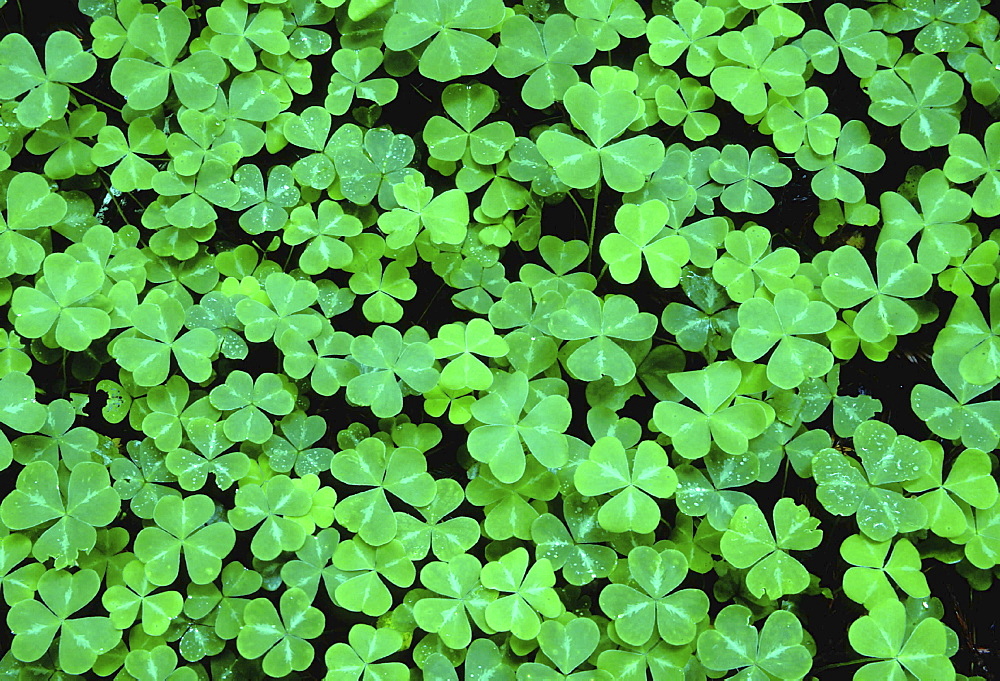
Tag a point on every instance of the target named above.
point(763, 323)
point(275, 504)
point(453, 52)
point(549, 52)
point(459, 597)
point(586, 316)
point(47, 96)
point(248, 399)
point(469, 105)
point(504, 433)
point(758, 65)
point(674, 615)
point(747, 262)
point(234, 34)
point(461, 343)
point(401, 471)
point(609, 470)
point(717, 419)
point(530, 593)
point(282, 640)
point(748, 543)
point(851, 36)
point(603, 116)
point(692, 31)
point(641, 236)
point(352, 68)
point(943, 210)
point(776, 651)
point(366, 645)
point(134, 595)
point(81, 639)
point(181, 528)
point(746, 174)
point(388, 357)
point(972, 160)
point(884, 633)
point(850, 283)
point(923, 106)
point(87, 503)
point(803, 120)
point(853, 152)
point(868, 582)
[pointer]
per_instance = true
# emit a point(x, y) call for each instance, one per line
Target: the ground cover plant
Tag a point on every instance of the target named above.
point(474, 339)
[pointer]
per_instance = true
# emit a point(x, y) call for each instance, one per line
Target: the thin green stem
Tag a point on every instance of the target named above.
point(844, 664)
point(99, 101)
point(593, 226)
point(578, 207)
point(603, 271)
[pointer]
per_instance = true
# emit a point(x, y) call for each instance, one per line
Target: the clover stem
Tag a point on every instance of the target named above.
point(99, 101)
point(289, 258)
point(593, 226)
point(578, 207)
point(601, 275)
point(845, 664)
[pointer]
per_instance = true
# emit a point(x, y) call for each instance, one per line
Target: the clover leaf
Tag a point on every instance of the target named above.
point(134, 599)
point(234, 34)
point(868, 581)
point(18, 408)
point(748, 543)
point(712, 389)
point(943, 210)
point(549, 52)
point(469, 105)
point(603, 116)
point(853, 152)
point(57, 439)
point(444, 217)
point(674, 614)
point(184, 526)
point(388, 357)
point(758, 65)
point(851, 36)
point(459, 597)
point(81, 639)
point(568, 645)
point(585, 316)
point(355, 581)
point(283, 640)
point(608, 470)
point(882, 512)
point(248, 399)
point(686, 102)
point(453, 52)
point(803, 120)
point(402, 471)
point(88, 502)
point(885, 633)
point(969, 481)
point(530, 593)
point(352, 68)
point(972, 160)
point(692, 32)
point(162, 37)
point(576, 551)
point(160, 319)
point(746, 174)
point(747, 263)
point(47, 95)
point(131, 171)
point(500, 440)
point(923, 105)
point(763, 323)
point(605, 22)
point(640, 236)
point(209, 439)
point(776, 650)
point(461, 343)
point(850, 283)
point(61, 300)
point(273, 505)
point(366, 645)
